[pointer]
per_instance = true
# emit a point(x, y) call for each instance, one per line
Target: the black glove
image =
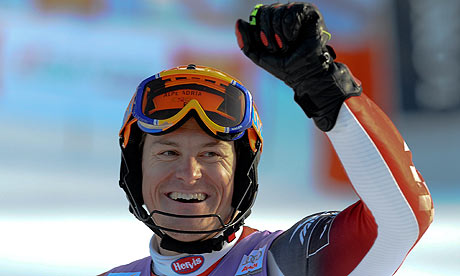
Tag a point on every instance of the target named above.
point(289, 41)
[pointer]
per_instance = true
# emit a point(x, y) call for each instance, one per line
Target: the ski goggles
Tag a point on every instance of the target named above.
point(221, 103)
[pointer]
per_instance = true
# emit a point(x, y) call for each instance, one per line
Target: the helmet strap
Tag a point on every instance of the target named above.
point(200, 247)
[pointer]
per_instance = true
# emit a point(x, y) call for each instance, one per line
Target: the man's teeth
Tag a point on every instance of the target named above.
point(196, 196)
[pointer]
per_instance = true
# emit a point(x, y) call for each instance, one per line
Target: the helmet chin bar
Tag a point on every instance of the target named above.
point(195, 247)
point(186, 217)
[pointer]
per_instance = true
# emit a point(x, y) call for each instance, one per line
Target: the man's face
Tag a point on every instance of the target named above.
point(188, 172)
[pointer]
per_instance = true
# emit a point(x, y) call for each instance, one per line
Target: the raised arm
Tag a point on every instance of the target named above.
point(372, 236)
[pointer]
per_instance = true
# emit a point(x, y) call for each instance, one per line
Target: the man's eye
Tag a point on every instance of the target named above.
point(211, 154)
point(168, 153)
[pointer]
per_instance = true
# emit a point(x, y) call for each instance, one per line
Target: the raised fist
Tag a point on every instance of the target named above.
point(289, 41)
point(283, 38)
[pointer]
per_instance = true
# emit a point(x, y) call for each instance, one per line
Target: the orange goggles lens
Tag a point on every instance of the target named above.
point(223, 103)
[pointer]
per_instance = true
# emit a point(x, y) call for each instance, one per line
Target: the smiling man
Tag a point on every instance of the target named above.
point(188, 172)
point(191, 141)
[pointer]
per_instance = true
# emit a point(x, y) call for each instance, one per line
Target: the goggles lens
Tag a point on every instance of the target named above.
point(223, 104)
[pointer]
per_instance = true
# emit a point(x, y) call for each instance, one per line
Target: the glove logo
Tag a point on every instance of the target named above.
point(186, 265)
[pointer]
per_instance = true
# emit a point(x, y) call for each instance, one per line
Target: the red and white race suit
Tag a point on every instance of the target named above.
point(369, 238)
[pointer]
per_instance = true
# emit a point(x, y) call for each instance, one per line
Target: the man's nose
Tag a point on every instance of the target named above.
point(189, 170)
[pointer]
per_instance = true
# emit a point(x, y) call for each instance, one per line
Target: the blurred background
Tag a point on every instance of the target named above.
point(68, 69)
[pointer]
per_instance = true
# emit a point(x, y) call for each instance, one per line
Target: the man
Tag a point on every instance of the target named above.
point(191, 141)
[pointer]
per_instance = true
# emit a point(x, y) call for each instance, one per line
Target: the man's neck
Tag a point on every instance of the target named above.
point(161, 250)
point(166, 252)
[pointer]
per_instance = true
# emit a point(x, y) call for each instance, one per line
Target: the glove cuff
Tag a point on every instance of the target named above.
point(321, 95)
